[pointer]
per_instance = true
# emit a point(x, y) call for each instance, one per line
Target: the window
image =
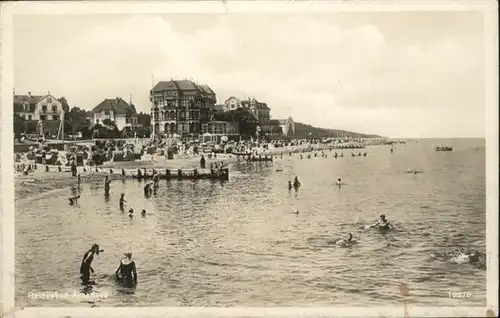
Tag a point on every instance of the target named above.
point(54, 108)
point(26, 107)
point(43, 117)
point(106, 112)
point(97, 121)
point(55, 117)
point(30, 117)
point(49, 100)
point(44, 108)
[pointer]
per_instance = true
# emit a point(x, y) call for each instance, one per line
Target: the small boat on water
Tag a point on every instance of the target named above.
point(443, 148)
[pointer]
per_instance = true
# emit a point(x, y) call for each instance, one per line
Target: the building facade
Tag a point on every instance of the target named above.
point(180, 107)
point(232, 103)
point(38, 107)
point(261, 112)
point(116, 110)
point(287, 126)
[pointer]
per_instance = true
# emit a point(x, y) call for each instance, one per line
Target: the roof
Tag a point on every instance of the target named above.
point(231, 97)
point(19, 100)
point(262, 105)
point(118, 105)
point(207, 89)
point(182, 85)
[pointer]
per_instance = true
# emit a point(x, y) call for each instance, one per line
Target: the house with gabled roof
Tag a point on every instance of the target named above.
point(116, 110)
point(38, 107)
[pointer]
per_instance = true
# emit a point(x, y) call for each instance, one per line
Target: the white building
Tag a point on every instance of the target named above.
point(116, 110)
point(287, 125)
point(232, 103)
point(38, 107)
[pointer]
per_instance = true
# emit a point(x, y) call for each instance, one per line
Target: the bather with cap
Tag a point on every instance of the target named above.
point(126, 273)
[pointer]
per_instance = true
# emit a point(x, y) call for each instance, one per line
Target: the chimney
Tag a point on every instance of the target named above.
point(29, 94)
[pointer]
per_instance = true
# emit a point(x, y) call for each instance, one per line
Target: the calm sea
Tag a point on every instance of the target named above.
point(240, 244)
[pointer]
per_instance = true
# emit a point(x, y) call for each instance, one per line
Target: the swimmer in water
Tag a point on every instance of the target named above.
point(131, 213)
point(126, 273)
point(296, 211)
point(382, 224)
point(143, 212)
point(290, 186)
point(122, 200)
point(74, 199)
point(349, 240)
point(85, 267)
point(339, 182)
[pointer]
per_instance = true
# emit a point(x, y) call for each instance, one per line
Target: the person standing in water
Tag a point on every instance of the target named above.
point(296, 182)
point(122, 201)
point(290, 186)
point(106, 185)
point(126, 273)
point(382, 224)
point(85, 267)
point(339, 182)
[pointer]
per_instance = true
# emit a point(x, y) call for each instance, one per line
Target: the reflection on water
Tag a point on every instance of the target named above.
point(238, 243)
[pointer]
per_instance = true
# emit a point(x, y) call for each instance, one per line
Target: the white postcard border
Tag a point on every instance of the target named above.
point(222, 7)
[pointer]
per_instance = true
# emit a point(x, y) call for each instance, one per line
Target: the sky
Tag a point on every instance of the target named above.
point(396, 74)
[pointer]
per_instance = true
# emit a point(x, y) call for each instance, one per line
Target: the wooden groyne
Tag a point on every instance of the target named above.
point(220, 173)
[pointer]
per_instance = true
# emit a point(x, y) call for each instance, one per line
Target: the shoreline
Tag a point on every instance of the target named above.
point(39, 182)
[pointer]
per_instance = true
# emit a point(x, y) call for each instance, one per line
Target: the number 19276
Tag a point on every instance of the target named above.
point(459, 295)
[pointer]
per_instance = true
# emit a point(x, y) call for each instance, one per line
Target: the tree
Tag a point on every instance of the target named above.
point(77, 121)
point(144, 119)
point(111, 124)
point(18, 126)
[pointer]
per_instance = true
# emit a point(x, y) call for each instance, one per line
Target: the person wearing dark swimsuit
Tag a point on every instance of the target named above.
point(296, 183)
point(85, 267)
point(122, 201)
point(126, 273)
point(106, 185)
point(74, 199)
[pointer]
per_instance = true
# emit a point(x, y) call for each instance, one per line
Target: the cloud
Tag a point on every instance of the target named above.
point(316, 72)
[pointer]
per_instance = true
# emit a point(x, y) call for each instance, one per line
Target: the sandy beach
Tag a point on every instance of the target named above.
point(39, 181)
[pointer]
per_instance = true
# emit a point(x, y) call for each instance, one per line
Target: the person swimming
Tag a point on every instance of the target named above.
point(74, 199)
point(122, 200)
point(296, 211)
point(143, 212)
point(85, 267)
point(131, 213)
point(349, 240)
point(290, 186)
point(126, 273)
point(382, 224)
point(339, 182)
